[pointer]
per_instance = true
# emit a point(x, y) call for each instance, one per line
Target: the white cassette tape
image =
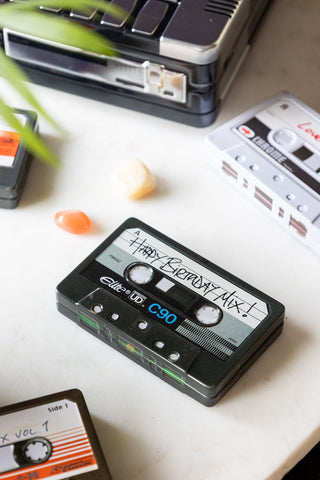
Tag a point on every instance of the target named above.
point(272, 153)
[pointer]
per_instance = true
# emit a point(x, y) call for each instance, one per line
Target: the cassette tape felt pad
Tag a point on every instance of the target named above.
point(183, 318)
point(175, 58)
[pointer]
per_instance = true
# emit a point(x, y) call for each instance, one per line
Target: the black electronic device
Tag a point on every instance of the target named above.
point(183, 318)
point(175, 58)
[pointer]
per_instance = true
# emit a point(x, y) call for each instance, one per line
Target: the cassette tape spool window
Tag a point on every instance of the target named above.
point(207, 314)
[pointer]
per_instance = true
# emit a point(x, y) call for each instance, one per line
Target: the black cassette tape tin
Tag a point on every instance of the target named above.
point(50, 437)
point(15, 159)
point(183, 318)
point(175, 58)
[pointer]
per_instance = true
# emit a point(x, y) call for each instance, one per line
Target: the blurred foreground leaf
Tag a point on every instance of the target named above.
point(23, 17)
point(17, 78)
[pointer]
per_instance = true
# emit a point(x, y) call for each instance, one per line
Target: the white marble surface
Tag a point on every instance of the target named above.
point(149, 430)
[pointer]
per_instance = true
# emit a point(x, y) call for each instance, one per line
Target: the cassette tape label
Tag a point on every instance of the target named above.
point(9, 143)
point(137, 258)
point(144, 247)
point(45, 441)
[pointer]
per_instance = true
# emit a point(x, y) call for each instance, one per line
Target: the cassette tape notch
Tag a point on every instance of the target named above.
point(181, 317)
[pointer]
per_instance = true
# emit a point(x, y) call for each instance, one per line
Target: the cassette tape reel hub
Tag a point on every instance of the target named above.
point(183, 318)
point(37, 450)
point(139, 273)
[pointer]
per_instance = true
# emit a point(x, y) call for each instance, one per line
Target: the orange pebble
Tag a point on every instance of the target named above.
point(72, 221)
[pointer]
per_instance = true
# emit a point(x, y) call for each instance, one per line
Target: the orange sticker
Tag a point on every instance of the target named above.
point(9, 143)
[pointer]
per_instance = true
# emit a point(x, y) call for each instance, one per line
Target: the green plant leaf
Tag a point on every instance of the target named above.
point(23, 17)
point(30, 139)
point(15, 76)
point(102, 6)
point(57, 29)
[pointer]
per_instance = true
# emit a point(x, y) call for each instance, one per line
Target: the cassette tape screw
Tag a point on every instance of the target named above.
point(114, 316)
point(174, 356)
point(142, 325)
point(159, 344)
point(302, 208)
point(97, 308)
point(278, 178)
point(240, 158)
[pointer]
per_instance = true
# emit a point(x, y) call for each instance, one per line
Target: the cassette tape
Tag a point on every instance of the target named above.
point(15, 159)
point(272, 153)
point(176, 314)
point(50, 437)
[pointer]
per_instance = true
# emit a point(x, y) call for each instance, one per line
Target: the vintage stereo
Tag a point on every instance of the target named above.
point(175, 58)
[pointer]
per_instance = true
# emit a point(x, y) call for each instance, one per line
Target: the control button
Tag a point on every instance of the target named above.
point(83, 14)
point(113, 21)
point(150, 17)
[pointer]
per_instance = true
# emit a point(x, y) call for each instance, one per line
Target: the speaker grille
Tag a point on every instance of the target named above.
point(222, 7)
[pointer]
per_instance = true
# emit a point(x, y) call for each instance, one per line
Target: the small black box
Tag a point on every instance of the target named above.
point(15, 159)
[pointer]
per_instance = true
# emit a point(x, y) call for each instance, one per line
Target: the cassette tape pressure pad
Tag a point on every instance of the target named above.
point(175, 58)
point(183, 318)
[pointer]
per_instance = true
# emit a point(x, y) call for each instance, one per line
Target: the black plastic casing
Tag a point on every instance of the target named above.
point(198, 373)
point(12, 179)
point(202, 25)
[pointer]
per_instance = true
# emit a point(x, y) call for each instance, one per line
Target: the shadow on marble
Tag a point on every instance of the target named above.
point(127, 456)
point(41, 178)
